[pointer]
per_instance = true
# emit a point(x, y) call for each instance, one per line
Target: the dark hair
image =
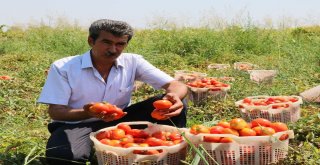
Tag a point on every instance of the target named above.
point(117, 28)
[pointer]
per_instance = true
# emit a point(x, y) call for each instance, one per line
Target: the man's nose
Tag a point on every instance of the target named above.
point(113, 48)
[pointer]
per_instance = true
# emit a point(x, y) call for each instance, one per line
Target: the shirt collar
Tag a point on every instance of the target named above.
point(87, 62)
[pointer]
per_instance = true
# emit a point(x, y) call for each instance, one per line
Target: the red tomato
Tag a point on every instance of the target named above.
point(117, 134)
point(279, 126)
point(216, 129)
point(168, 143)
point(103, 135)
point(152, 141)
point(138, 133)
point(158, 115)
point(247, 132)
point(126, 139)
point(98, 108)
point(293, 100)
point(260, 122)
point(226, 140)
point(263, 131)
point(5, 77)
point(160, 135)
point(211, 139)
point(107, 109)
point(230, 131)
point(198, 128)
point(130, 145)
point(162, 104)
point(115, 143)
point(224, 124)
point(238, 123)
point(124, 127)
point(105, 141)
point(247, 101)
point(139, 140)
point(175, 136)
point(284, 137)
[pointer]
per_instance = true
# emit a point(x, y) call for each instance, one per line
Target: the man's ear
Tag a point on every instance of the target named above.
point(90, 41)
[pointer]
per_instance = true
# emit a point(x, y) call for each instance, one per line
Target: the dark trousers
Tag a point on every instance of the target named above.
point(70, 143)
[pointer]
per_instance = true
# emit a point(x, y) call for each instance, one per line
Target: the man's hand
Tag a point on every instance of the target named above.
point(107, 117)
point(176, 108)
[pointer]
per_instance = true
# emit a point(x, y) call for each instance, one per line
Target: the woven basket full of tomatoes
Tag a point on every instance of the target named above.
point(206, 89)
point(237, 142)
point(126, 145)
point(274, 108)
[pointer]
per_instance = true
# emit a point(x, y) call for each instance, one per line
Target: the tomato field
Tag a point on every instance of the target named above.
point(26, 54)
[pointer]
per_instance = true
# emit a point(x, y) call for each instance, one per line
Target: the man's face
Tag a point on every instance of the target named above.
point(108, 46)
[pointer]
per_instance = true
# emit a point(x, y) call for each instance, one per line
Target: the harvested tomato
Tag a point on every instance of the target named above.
point(211, 139)
point(175, 136)
point(160, 135)
point(198, 128)
point(247, 132)
point(126, 139)
point(279, 126)
point(230, 131)
point(103, 135)
point(226, 140)
point(127, 145)
point(156, 114)
point(124, 127)
point(138, 133)
point(216, 129)
point(260, 122)
point(224, 124)
point(5, 77)
point(284, 137)
point(105, 107)
point(238, 123)
point(117, 134)
point(152, 141)
point(162, 104)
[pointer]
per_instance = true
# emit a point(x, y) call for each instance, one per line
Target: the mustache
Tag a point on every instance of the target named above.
point(110, 54)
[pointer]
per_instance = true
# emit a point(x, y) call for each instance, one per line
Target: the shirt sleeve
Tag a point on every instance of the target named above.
point(56, 89)
point(148, 73)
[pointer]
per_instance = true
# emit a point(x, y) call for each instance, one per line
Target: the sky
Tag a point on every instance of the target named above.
point(145, 13)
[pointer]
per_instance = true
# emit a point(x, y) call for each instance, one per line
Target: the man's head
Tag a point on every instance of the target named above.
point(117, 28)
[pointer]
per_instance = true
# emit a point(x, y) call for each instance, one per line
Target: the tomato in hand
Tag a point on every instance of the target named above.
point(156, 114)
point(162, 104)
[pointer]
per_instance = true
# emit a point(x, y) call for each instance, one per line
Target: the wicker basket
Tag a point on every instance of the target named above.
point(199, 96)
point(109, 155)
point(187, 76)
point(285, 115)
point(249, 150)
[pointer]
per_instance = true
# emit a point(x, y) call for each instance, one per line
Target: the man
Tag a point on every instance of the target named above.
point(102, 74)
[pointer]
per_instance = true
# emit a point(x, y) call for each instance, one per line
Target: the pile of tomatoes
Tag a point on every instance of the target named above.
point(276, 102)
point(124, 136)
point(212, 83)
point(239, 127)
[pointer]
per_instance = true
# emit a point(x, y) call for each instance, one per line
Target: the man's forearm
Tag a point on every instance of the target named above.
point(65, 113)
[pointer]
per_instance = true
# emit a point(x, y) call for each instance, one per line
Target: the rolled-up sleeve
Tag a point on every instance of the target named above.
point(56, 89)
